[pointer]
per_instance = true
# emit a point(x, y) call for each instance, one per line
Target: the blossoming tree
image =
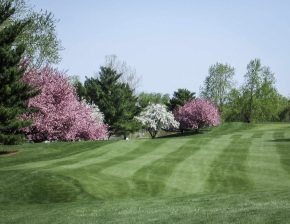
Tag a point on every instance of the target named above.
point(197, 114)
point(59, 115)
point(155, 117)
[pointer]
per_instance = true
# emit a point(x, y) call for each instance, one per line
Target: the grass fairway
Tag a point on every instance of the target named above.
point(235, 173)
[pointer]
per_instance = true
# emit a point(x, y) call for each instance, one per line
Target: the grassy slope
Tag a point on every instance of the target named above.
point(234, 173)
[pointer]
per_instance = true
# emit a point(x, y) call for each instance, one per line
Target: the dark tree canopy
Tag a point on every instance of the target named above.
point(79, 87)
point(180, 97)
point(115, 99)
point(13, 92)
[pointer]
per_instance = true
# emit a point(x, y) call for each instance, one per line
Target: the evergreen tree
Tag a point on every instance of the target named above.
point(13, 92)
point(79, 87)
point(115, 99)
point(180, 97)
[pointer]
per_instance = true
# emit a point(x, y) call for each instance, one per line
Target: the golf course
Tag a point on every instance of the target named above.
point(232, 173)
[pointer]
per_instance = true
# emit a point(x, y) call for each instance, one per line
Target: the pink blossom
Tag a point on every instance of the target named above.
point(60, 115)
point(196, 114)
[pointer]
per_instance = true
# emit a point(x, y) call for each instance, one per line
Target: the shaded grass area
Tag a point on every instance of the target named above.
point(243, 174)
point(7, 153)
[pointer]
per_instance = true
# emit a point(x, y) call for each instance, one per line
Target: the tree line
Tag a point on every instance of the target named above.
point(44, 104)
point(120, 103)
point(256, 100)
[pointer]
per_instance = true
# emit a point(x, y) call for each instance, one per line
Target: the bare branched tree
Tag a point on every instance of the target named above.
point(129, 74)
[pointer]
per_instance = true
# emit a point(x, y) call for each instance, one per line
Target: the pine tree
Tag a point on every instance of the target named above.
point(180, 97)
point(13, 92)
point(115, 99)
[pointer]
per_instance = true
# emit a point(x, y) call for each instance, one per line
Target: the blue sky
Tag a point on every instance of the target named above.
point(171, 44)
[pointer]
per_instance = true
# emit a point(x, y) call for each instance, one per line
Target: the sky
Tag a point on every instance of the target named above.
point(172, 43)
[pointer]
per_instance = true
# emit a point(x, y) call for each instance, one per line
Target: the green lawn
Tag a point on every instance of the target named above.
point(235, 173)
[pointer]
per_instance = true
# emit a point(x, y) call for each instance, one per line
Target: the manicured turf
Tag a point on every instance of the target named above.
point(235, 173)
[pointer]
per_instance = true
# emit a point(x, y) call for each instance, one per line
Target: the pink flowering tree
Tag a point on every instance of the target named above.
point(59, 115)
point(197, 114)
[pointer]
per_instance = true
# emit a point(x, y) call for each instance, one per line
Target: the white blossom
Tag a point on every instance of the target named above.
point(156, 117)
point(97, 115)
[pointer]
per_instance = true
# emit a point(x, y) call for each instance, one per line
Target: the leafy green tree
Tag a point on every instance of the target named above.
point(115, 99)
point(232, 110)
point(269, 101)
point(13, 92)
point(285, 113)
point(39, 36)
point(144, 99)
point(218, 84)
point(262, 102)
point(252, 84)
point(257, 100)
point(180, 97)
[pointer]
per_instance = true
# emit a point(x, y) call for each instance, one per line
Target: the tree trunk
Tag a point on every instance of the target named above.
point(152, 133)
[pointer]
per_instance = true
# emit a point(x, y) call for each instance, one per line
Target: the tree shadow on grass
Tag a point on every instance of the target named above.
point(184, 134)
point(281, 140)
point(8, 153)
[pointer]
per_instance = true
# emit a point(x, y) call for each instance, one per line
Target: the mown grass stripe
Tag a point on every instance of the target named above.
point(250, 168)
point(264, 161)
point(283, 149)
point(91, 177)
point(140, 149)
point(89, 151)
point(190, 175)
point(151, 180)
point(91, 182)
point(110, 153)
point(37, 152)
point(228, 172)
point(127, 169)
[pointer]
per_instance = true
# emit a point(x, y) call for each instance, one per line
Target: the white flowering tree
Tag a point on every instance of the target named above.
point(155, 117)
point(96, 115)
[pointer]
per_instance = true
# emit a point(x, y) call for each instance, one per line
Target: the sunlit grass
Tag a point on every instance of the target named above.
point(233, 173)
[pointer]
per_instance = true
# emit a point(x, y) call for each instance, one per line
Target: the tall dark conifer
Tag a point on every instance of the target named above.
point(180, 97)
point(13, 92)
point(115, 99)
